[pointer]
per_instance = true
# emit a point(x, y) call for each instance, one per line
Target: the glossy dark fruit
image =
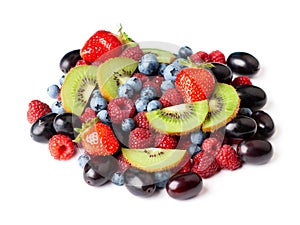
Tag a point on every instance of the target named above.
point(243, 63)
point(139, 183)
point(99, 170)
point(69, 60)
point(255, 151)
point(184, 186)
point(65, 123)
point(251, 96)
point(265, 124)
point(42, 129)
point(241, 127)
point(222, 72)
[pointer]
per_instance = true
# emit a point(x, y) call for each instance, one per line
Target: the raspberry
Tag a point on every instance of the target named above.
point(140, 138)
point(228, 158)
point(143, 77)
point(120, 109)
point(123, 164)
point(61, 147)
point(154, 85)
point(217, 56)
point(158, 79)
point(171, 97)
point(199, 57)
point(36, 110)
point(205, 165)
point(241, 80)
point(185, 164)
point(211, 146)
point(165, 141)
point(82, 62)
point(88, 114)
point(141, 120)
point(184, 142)
point(134, 52)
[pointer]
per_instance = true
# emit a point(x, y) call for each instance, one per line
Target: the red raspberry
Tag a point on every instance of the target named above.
point(61, 147)
point(219, 135)
point(158, 79)
point(228, 158)
point(133, 52)
point(143, 77)
point(199, 57)
point(141, 120)
point(120, 109)
point(123, 164)
point(171, 97)
point(211, 146)
point(140, 138)
point(205, 165)
point(165, 141)
point(154, 85)
point(217, 56)
point(88, 114)
point(184, 142)
point(82, 62)
point(186, 164)
point(241, 80)
point(36, 110)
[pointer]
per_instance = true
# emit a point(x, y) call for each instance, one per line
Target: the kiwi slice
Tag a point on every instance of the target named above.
point(163, 56)
point(76, 90)
point(113, 73)
point(178, 119)
point(153, 159)
point(223, 106)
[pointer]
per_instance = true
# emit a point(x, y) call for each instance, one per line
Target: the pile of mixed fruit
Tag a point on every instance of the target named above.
point(151, 119)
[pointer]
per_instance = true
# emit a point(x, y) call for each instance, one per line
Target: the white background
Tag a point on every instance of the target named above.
point(36, 189)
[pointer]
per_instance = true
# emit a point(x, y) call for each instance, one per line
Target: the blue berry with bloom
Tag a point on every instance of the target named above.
point(179, 62)
point(161, 178)
point(62, 79)
point(148, 93)
point(148, 64)
point(125, 90)
point(53, 91)
point(161, 68)
point(141, 104)
point(197, 137)
point(57, 107)
point(135, 83)
point(98, 103)
point(83, 159)
point(171, 72)
point(104, 116)
point(154, 105)
point(118, 178)
point(166, 84)
point(193, 149)
point(185, 52)
point(128, 124)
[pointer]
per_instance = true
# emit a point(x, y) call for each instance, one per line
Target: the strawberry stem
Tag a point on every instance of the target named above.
point(84, 127)
point(125, 39)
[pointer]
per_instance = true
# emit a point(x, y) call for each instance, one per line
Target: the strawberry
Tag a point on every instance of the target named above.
point(199, 57)
point(61, 147)
point(140, 138)
point(205, 165)
point(36, 109)
point(241, 80)
point(100, 43)
point(98, 139)
point(170, 97)
point(228, 158)
point(217, 56)
point(165, 141)
point(195, 84)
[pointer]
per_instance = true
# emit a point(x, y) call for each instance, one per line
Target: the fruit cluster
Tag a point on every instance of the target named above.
point(149, 119)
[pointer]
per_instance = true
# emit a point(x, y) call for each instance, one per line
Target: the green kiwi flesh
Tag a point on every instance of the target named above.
point(178, 119)
point(163, 56)
point(76, 90)
point(113, 73)
point(153, 159)
point(223, 106)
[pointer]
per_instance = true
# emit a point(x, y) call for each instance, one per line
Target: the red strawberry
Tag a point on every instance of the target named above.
point(82, 62)
point(170, 97)
point(120, 109)
point(61, 147)
point(199, 57)
point(140, 138)
point(165, 141)
point(228, 158)
point(195, 84)
point(217, 56)
point(133, 52)
point(205, 165)
point(141, 120)
point(241, 80)
point(99, 139)
point(100, 43)
point(36, 110)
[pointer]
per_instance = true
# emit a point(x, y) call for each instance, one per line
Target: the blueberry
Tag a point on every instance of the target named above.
point(61, 80)
point(53, 91)
point(125, 90)
point(141, 104)
point(118, 178)
point(161, 178)
point(197, 137)
point(98, 103)
point(166, 84)
point(178, 62)
point(83, 159)
point(193, 149)
point(57, 107)
point(185, 52)
point(171, 72)
point(103, 116)
point(148, 93)
point(97, 92)
point(153, 105)
point(128, 124)
point(162, 68)
point(135, 83)
point(148, 64)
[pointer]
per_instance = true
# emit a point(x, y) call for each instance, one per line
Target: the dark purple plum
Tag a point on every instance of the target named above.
point(243, 63)
point(65, 123)
point(69, 60)
point(265, 124)
point(222, 72)
point(251, 96)
point(42, 129)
